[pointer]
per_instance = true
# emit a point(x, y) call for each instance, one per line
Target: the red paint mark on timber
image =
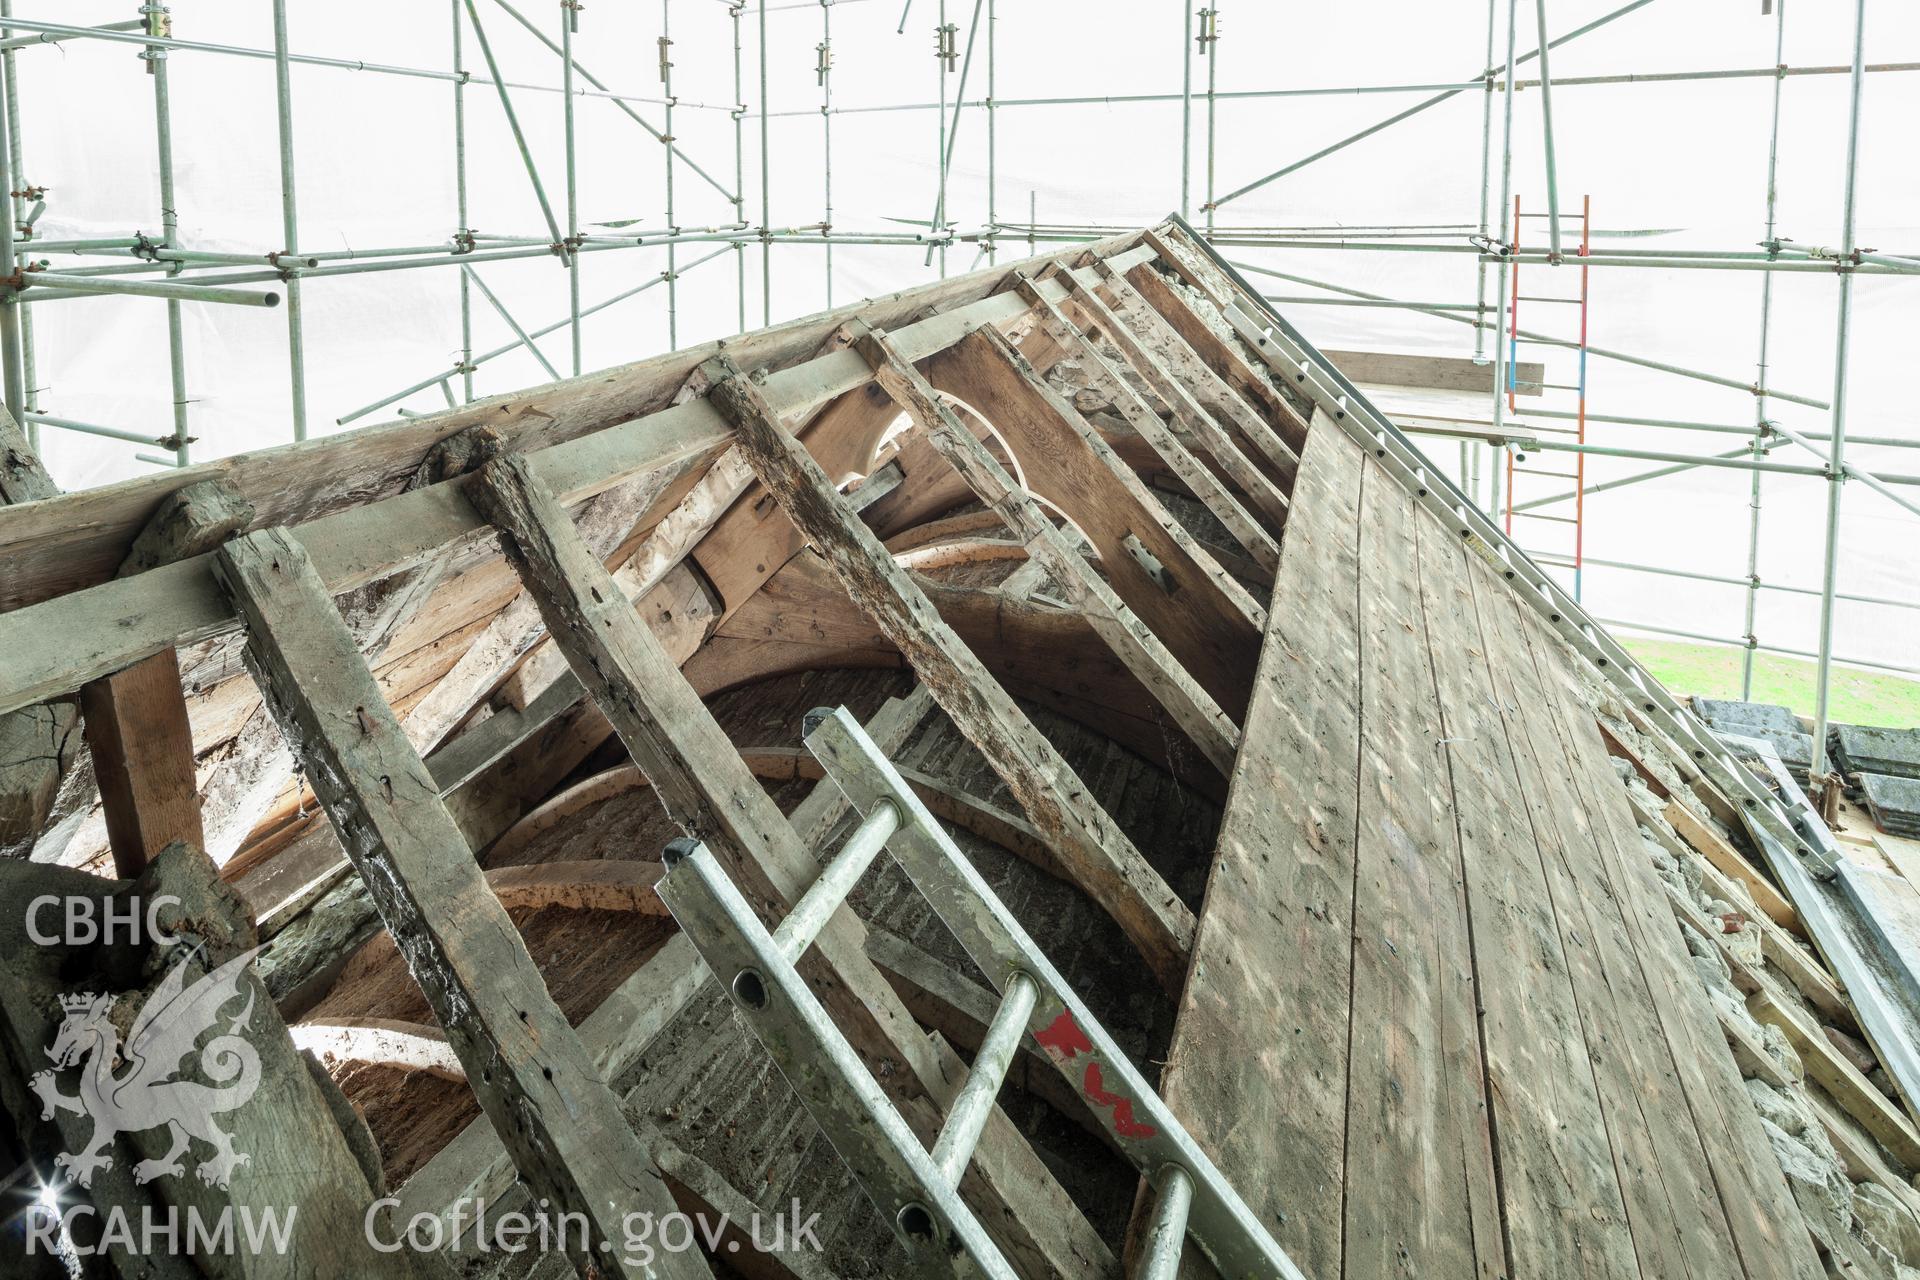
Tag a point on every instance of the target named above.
point(1065, 1041)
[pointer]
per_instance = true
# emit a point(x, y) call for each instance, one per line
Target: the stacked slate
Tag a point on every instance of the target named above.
point(1733, 717)
point(1766, 721)
point(1864, 749)
point(1894, 803)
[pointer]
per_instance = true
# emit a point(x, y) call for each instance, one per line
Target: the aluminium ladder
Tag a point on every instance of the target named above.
point(915, 1189)
point(1544, 491)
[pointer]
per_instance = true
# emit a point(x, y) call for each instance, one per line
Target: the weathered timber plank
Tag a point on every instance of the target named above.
point(62, 641)
point(1673, 1215)
point(537, 1084)
point(1714, 847)
point(1713, 1152)
point(1738, 1162)
point(709, 792)
point(1135, 644)
point(1257, 1069)
point(1103, 861)
point(1138, 414)
point(1199, 611)
point(1878, 1114)
point(1559, 1197)
point(1419, 1165)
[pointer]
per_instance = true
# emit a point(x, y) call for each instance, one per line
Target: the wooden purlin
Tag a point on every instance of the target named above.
point(66, 640)
point(1104, 861)
point(536, 1082)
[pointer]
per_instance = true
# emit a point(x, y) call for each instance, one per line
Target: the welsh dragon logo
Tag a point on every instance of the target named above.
point(148, 1093)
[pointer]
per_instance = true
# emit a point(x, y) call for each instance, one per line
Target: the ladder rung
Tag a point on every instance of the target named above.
point(970, 1110)
point(1568, 301)
point(1561, 475)
point(1168, 1231)
point(1535, 515)
point(824, 896)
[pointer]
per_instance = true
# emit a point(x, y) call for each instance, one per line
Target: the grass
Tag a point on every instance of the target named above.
point(1713, 671)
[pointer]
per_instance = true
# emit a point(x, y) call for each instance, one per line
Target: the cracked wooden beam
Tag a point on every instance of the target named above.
point(1212, 438)
point(532, 1076)
point(254, 768)
point(1256, 437)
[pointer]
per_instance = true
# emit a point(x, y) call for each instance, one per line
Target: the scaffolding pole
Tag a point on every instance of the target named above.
point(1837, 479)
point(460, 199)
point(290, 221)
point(1761, 429)
point(1501, 373)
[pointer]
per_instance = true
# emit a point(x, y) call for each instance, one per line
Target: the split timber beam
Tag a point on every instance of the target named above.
point(1094, 315)
point(709, 792)
point(251, 771)
point(1103, 861)
point(1198, 716)
point(1138, 414)
point(1206, 618)
point(58, 644)
point(1257, 434)
point(537, 1084)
